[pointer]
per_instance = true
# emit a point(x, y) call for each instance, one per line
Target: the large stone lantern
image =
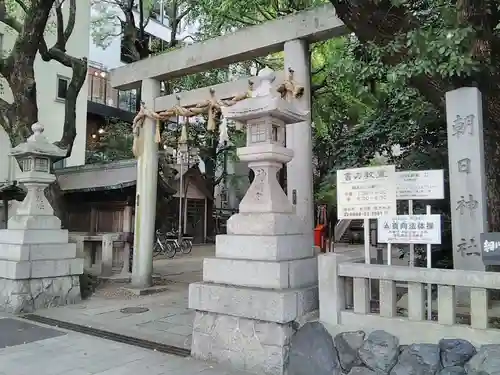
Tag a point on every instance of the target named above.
point(264, 275)
point(38, 267)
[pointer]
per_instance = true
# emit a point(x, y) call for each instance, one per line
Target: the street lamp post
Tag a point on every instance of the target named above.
point(223, 142)
point(185, 155)
point(182, 151)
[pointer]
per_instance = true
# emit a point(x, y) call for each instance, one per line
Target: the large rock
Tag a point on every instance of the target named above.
point(418, 359)
point(312, 352)
point(380, 351)
point(453, 370)
point(455, 352)
point(348, 344)
point(485, 362)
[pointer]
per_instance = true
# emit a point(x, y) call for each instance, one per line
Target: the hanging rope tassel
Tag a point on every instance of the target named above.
point(157, 132)
point(211, 120)
point(184, 134)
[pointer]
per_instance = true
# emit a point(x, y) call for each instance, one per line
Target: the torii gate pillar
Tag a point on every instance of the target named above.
point(299, 138)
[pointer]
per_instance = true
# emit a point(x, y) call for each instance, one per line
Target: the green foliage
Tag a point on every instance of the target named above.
point(112, 145)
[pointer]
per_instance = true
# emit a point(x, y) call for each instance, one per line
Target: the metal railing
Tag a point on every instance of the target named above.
point(100, 91)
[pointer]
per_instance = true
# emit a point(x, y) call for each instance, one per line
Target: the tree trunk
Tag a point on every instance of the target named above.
point(18, 68)
point(75, 85)
point(23, 111)
point(55, 196)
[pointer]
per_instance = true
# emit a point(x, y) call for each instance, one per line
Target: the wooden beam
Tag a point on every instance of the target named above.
point(314, 25)
point(222, 91)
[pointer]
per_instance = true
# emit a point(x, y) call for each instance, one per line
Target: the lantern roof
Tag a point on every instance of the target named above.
point(38, 144)
point(265, 102)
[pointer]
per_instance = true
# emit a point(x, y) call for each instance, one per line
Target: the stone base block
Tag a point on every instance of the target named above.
point(37, 251)
point(261, 274)
point(26, 296)
point(40, 268)
point(35, 222)
point(280, 306)
point(33, 236)
point(266, 224)
point(146, 291)
point(263, 247)
point(246, 344)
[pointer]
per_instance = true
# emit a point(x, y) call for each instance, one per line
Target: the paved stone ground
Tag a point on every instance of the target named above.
point(50, 351)
point(168, 321)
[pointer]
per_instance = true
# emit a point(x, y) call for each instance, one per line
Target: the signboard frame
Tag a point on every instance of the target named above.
point(378, 193)
point(490, 257)
point(424, 185)
point(407, 221)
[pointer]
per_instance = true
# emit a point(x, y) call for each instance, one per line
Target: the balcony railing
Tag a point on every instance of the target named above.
point(100, 91)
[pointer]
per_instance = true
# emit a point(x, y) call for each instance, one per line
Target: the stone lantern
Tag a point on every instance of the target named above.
point(264, 275)
point(265, 116)
point(39, 267)
point(35, 158)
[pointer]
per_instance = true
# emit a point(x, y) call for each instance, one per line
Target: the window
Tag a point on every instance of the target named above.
point(258, 133)
point(59, 164)
point(62, 87)
point(274, 135)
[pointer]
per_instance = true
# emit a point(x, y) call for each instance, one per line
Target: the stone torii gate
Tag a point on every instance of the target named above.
point(293, 35)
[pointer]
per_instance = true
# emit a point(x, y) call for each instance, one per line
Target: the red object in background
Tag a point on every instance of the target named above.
point(319, 235)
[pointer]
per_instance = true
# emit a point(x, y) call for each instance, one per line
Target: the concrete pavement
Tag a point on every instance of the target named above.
point(51, 351)
point(167, 319)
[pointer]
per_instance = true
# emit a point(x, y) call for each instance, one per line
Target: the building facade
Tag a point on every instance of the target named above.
point(107, 51)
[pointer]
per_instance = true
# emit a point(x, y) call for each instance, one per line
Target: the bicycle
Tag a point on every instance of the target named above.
point(184, 247)
point(162, 245)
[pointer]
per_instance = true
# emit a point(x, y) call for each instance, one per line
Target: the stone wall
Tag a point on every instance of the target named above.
point(314, 351)
point(28, 295)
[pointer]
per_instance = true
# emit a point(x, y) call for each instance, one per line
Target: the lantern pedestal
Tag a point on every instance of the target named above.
point(38, 267)
point(264, 275)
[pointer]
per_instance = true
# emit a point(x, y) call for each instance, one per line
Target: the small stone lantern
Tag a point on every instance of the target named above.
point(35, 157)
point(41, 267)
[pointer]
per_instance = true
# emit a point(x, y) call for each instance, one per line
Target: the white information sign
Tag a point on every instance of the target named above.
point(366, 193)
point(412, 229)
point(413, 185)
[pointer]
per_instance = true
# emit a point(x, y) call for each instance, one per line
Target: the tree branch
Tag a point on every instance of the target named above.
point(8, 19)
point(219, 179)
point(23, 6)
point(78, 67)
point(224, 149)
point(183, 14)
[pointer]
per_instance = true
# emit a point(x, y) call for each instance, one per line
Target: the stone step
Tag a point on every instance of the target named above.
point(296, 273)
point(33, 236)
point(40, 268)
point(47, 251)
point(279, 306)
point(271, 247)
